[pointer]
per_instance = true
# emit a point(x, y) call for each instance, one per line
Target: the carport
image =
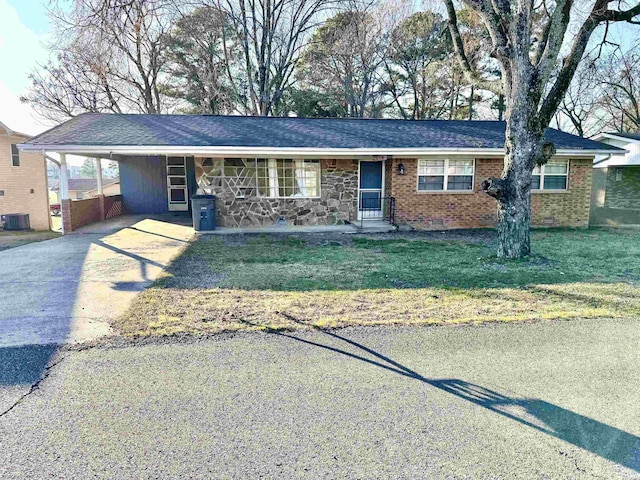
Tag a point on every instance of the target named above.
point(152, 182)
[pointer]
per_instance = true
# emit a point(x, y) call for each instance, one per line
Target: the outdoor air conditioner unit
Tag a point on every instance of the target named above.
point(16, 221)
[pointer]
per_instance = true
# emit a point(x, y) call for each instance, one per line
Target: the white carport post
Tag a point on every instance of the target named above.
point(65, 208)
point(99, 175)
point(100, 187)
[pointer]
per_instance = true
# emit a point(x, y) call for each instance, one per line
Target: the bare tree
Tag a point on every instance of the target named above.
point(578, 111)
point(527, 40)
point(270, 36)
point(108, 56)
point(619, 76)
point(73, 83)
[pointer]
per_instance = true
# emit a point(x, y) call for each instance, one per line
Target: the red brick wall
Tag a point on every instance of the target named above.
point(568, 208)
point(78, 213)
point(474, 209)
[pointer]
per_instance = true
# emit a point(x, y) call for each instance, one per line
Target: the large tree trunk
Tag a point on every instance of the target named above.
point(535, 79)
point(523, 149)
point(514, 200)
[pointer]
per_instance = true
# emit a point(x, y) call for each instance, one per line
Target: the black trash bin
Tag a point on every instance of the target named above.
point(203, 210)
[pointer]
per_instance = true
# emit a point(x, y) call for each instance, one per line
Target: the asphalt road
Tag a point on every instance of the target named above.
point(535, 400)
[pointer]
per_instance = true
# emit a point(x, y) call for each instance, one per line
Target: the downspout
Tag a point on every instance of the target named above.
point(603, 160)
point(51, 159)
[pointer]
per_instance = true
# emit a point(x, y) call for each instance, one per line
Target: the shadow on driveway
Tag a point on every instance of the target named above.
point(69, 289)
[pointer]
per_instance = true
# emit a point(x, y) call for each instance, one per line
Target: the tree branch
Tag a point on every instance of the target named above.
point(600, 13)
point(458, 46)
point(495, 187)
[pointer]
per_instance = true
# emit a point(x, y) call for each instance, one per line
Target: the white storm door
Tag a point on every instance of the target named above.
point(178, 195)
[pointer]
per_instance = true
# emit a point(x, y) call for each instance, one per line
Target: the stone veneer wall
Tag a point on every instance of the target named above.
point(475, 209)
point(336, 205)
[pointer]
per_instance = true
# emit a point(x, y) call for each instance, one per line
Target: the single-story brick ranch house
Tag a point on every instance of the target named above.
point(266, 170)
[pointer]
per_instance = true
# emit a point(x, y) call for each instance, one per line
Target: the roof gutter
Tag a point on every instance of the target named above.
point(213, 151)
point(613, 136)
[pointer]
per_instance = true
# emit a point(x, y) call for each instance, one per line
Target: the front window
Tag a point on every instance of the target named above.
point(292, 178)
point(445, 175)
point(274, 178)
point(15, 155)
point(551, 176)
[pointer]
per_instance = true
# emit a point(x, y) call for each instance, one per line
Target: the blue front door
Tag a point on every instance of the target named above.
point(370, 192)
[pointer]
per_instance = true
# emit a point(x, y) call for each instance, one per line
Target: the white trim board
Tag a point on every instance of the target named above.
point(275, 152)
point(613, 136)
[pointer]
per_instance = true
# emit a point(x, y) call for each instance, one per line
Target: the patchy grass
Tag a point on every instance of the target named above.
point(240, 283)
point(16, 239)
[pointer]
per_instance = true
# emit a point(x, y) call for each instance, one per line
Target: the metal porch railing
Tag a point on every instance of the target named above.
point(377, 208)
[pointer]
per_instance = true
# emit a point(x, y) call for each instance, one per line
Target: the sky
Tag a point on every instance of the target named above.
point(24, 28)
point(24, 32)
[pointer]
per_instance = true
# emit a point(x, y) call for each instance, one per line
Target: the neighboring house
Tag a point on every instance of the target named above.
point(23, 180)
point(110, 186)
point(81, 188)
point(616, 182)
point(267, 170)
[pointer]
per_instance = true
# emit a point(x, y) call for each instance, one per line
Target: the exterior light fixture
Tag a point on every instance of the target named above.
point(401, 169)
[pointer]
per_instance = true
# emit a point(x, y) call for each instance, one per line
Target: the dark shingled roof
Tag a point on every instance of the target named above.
point(291, 132)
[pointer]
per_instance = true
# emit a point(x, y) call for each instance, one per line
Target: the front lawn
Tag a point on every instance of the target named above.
point(11, 239)
point(247, 282)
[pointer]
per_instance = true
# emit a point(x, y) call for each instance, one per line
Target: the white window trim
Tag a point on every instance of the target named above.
point(274, 187)
point(272, 167)
point(542, 175)
point(11, 154)
point(177, 205)
point(446, 176)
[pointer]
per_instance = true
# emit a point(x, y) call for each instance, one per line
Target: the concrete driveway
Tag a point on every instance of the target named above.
point(66, 290)
point(547, 400)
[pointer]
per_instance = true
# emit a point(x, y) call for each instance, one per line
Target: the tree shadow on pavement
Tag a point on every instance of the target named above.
point(23, 365)
point(596, 437)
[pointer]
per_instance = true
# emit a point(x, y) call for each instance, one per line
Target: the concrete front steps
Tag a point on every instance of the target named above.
point(374, 226)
